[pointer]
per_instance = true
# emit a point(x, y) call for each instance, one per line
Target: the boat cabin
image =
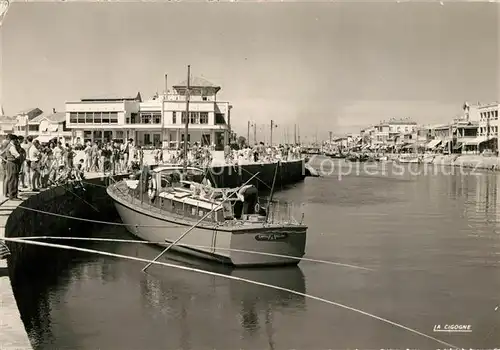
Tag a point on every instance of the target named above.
point(188, 193)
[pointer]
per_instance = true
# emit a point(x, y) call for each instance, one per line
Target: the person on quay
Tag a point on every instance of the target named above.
point(21, 161)
point(124, 155)
point(34, 158)
point(22, 166)
point(3, 145)
point(26, 170)
point(88, 157)
point(11, 156)
point(95, 157)
point(131, 152)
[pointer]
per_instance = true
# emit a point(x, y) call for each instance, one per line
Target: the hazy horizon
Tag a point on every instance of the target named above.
point(325, 66)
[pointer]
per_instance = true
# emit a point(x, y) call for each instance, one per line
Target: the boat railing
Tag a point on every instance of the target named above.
point(283, 212)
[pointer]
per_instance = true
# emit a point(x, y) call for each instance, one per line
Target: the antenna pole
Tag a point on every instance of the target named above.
point(254, 133)
point(271, 137)
point(186, 130)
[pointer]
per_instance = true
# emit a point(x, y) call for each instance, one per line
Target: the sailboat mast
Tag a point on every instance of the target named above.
point(186, 130)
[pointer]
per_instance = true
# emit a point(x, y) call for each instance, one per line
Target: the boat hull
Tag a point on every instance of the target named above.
point(215, 243)
point(409, 161)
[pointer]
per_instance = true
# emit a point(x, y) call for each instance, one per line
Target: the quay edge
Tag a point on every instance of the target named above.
point(287, 173)
point(73, 201)
point(21, 265)
point(12, 331)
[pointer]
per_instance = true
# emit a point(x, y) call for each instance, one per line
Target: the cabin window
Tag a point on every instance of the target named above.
point(193, 211)
point(201, 213)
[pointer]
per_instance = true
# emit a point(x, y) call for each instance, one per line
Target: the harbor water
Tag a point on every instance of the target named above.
point(429, 243)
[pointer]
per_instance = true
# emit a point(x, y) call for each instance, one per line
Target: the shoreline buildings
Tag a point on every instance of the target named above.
point(471, 133)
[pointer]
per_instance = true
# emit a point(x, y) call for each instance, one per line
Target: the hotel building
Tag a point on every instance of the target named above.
point(159, 121)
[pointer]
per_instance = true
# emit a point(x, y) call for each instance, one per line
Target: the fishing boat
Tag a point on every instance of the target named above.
point(176, 206)
point(166, 202)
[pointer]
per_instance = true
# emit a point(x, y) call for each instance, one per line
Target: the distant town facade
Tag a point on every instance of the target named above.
point(473, 132)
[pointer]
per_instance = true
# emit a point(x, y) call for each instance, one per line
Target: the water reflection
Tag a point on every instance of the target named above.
point(169, 303)
point(432, 240)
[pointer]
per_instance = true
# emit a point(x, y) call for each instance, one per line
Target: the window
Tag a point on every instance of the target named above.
point(108, 135)
point(81, 118)
point(73, 117)
point(183, 118)
point(133, 118)
point(113, 117)
point(97, 118)
point(119, 134)
point(157, 118)
point(204, 98)
point(193, 117)
point(174, 118)
point(146, 118)
point(147, 139)
point(105, 117)
point(203, 117)
point(182, 137)
point(219, 118)
point(156, 139)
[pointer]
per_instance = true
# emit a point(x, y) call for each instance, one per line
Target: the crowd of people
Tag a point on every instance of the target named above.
point(261, 153)
point(29, 165)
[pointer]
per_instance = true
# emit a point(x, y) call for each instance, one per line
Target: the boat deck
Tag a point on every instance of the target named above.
point(120, 192)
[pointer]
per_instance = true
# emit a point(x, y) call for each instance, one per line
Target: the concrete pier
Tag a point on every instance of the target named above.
point(23, 223)
point(13, 334)
point(12, 331)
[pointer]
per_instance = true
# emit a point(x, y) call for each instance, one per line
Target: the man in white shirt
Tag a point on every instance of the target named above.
point(131, 152)
point(11, 157)
point(34, 160)
point(26, 172)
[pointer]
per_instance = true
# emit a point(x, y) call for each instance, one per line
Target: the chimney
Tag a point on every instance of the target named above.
point(166, 85)
point(53, 110)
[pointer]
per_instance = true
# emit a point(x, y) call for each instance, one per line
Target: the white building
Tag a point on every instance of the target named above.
point(487, 131)
point(50, 126)
point(394, 131)
point(160, 120)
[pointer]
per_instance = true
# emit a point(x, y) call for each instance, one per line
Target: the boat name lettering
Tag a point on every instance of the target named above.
point(271, 236)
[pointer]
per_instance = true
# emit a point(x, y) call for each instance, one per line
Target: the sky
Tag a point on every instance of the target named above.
point(323, 66)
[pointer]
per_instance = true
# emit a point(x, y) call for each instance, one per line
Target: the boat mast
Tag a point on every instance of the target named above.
point(186, 130)
point(270, 200)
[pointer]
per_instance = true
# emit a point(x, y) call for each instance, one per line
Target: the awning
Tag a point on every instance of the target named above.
point(478, 140)
point(44, 138)
point(433, 144)
point(53, 127)
point(409, 146)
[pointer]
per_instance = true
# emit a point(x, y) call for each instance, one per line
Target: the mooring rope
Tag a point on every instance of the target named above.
point(210, 273)
point(114, 240)
point(94, 221)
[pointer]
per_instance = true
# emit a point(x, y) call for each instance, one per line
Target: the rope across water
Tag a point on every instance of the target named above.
point(185, 268)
